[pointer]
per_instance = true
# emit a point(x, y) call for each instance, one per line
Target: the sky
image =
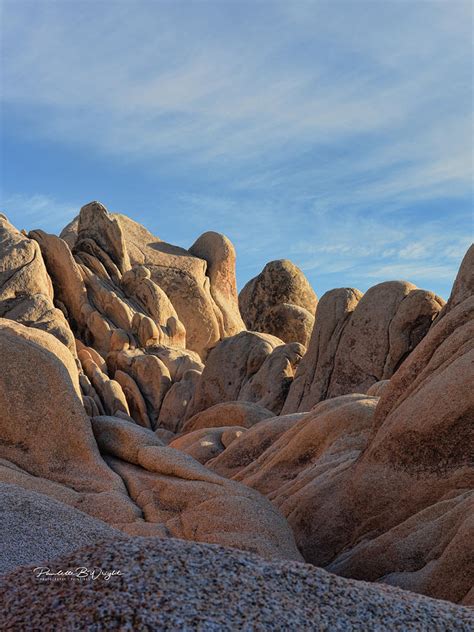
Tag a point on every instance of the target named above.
point(335, 134)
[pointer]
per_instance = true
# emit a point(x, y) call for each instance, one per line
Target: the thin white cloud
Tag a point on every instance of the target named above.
point(38, 210)
point(317, 119)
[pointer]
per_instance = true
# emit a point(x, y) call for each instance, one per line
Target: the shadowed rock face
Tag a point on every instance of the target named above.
point(279, 301)
point(250, 367)
point(381, 489)
point(185, 583)
point(130, 390)
point(35, 528)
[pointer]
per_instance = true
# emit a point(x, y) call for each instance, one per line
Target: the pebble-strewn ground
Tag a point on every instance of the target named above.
point(177, 585)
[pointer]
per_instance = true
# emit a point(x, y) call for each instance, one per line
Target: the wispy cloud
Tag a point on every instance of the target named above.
point(317, 130)
point(32, 211)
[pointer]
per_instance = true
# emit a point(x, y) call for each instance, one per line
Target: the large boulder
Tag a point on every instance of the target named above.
point(133, 482)
point(219, 253)
point(207, 443)
point(244, 414)
point(247, 447)
point(279, 301)
point(311, 383)
point(269, 387)
point(65, 274)
point(359, 340)
point(96, 224)
point(26, 291)
point(35, 528)
point(44, 428)
point(234, 364)
point(176, 585)
point(177, 493)
point(387, 324)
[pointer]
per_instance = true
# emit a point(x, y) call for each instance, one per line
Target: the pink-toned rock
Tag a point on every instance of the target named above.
point(66, 276)
point(151, 376)
point(207, 443)
point(311, 382)
point(279, 301)
point(242, 414)
point(377, 389)
point(230, 365)
point(44, 428)
point(96, 223)
point(26, 291)
point(385, 493)
point(359, 340)
point(135, 400)
point(251, 444)
point(270, 385)
point(182, 277)
point(219, 253)
point(137, 284)
point(175, 403)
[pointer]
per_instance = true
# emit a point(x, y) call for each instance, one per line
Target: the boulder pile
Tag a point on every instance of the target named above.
point(143, 399)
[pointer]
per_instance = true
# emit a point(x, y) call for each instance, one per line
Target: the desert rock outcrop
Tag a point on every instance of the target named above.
point(244, 414)
point(26, 291)
point(185, 584)
point(251, 367)
point(122, 475)
point(131, 393)
point(359, 340)
point(382, 490)
point(190, 282)
point(279, 301)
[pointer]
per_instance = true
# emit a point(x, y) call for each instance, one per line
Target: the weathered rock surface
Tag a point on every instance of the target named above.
point(219, 253)
point(270, 385)
point(250, 367)
point(378, 388)
point(48, 446)
point(26, 291)
point(385, 493)
point(201, 288)
point(359, 340)
point(279, 301)
point(207, 443)
point(96, 223)
point(174, 407)
point(36, 528)
point(65, 274)
point(45, 430)
point(185, 583)
point(463, 287)
point(250, 445)
point(130, 392)
point(244, 414)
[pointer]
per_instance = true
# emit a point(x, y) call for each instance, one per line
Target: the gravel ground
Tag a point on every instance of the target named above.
point(180, 586)
point(35, 528)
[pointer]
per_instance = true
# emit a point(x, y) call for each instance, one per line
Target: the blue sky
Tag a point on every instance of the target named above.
point(336, 134)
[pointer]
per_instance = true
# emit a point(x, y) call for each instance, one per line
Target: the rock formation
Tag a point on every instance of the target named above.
point(359, 340)
point(200, 283)
point(134, 402)
point(381, 490)
point(26, 291)
point(280, 301)
point(176, 585)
